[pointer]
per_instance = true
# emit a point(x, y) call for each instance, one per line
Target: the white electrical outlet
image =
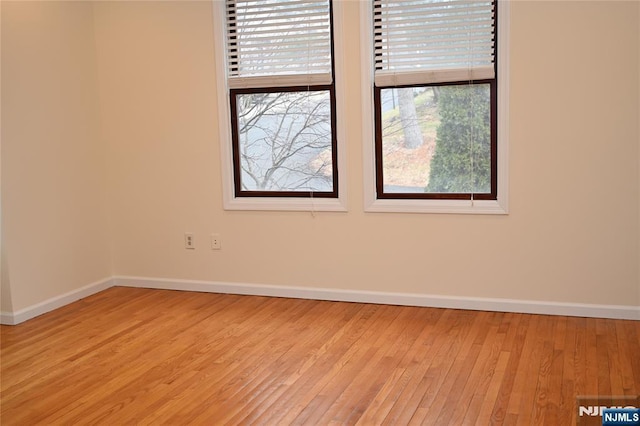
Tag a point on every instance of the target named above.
point(189, 242)
point(216, 242)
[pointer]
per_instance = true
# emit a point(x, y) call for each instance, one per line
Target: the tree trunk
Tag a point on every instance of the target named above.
point(409, 118)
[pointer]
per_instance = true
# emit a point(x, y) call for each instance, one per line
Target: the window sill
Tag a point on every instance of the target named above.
point(437, 206)
point(286, 204)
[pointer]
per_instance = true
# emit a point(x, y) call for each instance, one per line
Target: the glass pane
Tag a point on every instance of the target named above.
point(267, 37)
point(285, 141)
point(437, 139)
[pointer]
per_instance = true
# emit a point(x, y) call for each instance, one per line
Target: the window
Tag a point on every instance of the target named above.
point(279, 127)
point(438, 122)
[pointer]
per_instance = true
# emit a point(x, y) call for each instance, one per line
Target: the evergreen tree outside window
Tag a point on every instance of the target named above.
point(435, 99)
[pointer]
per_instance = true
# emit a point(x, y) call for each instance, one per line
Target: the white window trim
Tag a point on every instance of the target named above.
point(229, 200)
point(371, 203)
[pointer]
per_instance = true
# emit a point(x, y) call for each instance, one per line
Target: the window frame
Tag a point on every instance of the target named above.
point(377, 200)
point(233, 197)
point(235, 145)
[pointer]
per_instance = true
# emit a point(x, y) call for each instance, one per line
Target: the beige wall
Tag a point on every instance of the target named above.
point(54, 232)
point(572, 234)
point(573, 176)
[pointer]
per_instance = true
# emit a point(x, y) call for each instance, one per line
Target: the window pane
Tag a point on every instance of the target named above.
point(269, 37)
point(436, 36)
point(285, 141)
point(436, 139)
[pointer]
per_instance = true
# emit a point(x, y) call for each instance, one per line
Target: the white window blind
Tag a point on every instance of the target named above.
point(433, 41)
point(278, 43)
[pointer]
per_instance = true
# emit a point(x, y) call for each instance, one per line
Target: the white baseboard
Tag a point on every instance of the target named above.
point(359, 296)
point(405, 299)
point(14, 318)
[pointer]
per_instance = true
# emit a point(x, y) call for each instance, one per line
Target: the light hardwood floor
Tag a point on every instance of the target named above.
point(138, 356)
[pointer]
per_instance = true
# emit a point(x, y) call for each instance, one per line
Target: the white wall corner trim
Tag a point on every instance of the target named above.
point(14, 318)
point(337, 295)
point(387, 298)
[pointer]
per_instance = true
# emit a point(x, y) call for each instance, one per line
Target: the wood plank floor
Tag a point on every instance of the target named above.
point(138, 356)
